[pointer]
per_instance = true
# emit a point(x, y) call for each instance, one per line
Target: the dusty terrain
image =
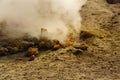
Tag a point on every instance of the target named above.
point(100, 62)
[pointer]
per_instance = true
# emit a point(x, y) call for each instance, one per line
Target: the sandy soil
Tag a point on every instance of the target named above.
point(100, 62)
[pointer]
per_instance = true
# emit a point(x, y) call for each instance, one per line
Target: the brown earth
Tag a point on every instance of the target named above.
point(100, 62)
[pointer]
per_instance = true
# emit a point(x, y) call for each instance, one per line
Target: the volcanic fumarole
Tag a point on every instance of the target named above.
point(59, 17)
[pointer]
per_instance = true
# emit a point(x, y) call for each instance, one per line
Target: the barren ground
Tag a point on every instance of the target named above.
point(100, 62)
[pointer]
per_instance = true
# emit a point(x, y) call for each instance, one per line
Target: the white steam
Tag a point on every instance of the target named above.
point(59, 17)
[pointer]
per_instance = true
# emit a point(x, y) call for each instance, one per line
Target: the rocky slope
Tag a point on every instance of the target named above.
point(101, 61)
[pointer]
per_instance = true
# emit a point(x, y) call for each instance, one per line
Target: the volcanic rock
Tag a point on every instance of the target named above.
point(32, 58)
point(85, 35)
point(78, 52)
point(57, 45)
point(113, 1)
point(45, 44)
point(24, 45)
point(3, 51)
point(32, 51)
point(74, 51)
point(29, 38)
point(82, 47)
point(13, 50)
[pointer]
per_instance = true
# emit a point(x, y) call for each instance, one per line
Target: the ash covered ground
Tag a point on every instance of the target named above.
point(100, 61)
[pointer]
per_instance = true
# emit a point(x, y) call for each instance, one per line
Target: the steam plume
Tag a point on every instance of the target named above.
point(59, 17)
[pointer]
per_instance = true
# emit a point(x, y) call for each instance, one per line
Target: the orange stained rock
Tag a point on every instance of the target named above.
point(32, 51)
point(56, 46)
point(70, 41)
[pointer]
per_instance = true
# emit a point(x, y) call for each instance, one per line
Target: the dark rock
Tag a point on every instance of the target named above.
point(85, 35)
point(32, 58)
point(62, 53)
point(29, 38)
point(78, 52)
point(56, 42)
point(3, 51)
point(13, 50)
point(70, 50)
point(74, 51)
point(49, 44)
point(24, 45)
point(113, 1)
point(82, 47)
point(6, 42)
point(16, 45)
point(45, 44)
point(118, 13)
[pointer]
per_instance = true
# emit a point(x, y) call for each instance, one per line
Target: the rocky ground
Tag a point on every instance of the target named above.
point(101, 61)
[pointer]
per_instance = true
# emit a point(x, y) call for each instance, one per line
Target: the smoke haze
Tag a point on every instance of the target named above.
point(59, 17)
